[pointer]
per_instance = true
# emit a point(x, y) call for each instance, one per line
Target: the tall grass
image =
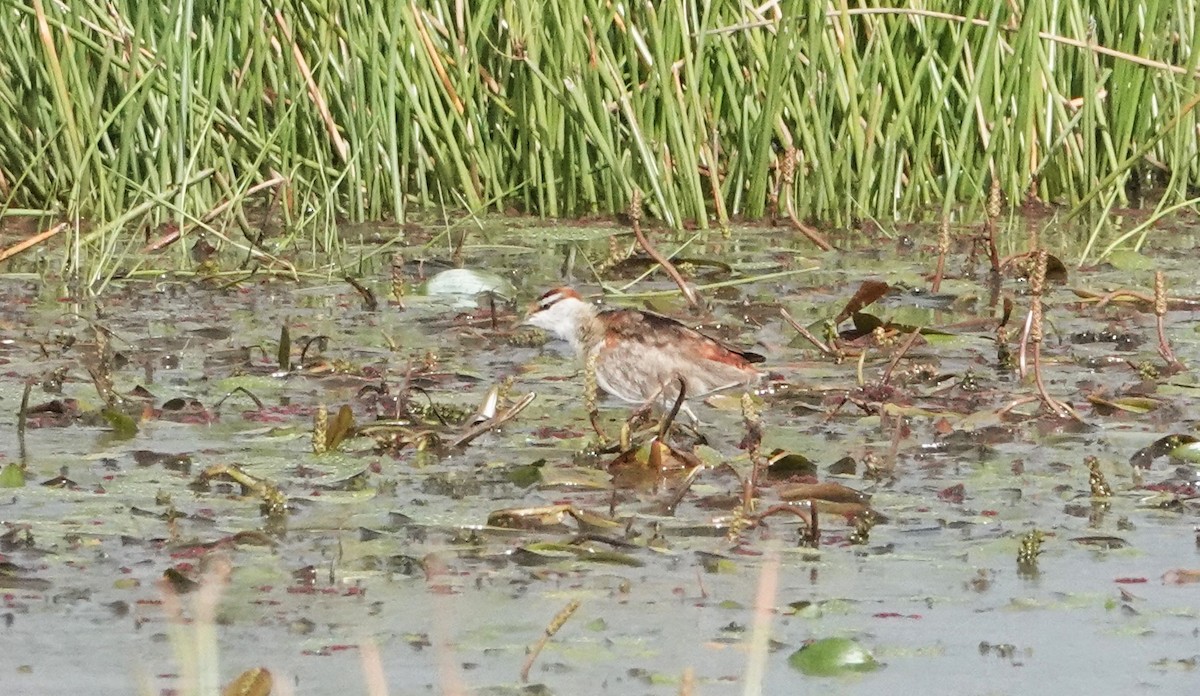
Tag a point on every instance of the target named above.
point(125, 117)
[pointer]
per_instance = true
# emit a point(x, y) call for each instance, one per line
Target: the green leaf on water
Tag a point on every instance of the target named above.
point(609, 557)
point(123, 425)
point(1129, 260)
point(831, 657)
point(715, 563)
point(12, 476)
point(526, 475)
point(1188, 452)
point(806, 609)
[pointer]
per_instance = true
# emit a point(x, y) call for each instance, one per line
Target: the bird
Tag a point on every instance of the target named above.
point(641, 356)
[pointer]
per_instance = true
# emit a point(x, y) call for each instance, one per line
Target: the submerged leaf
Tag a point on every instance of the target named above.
point(541, 554)
point(592, 523)
point(1187, 451)
point(593, 555)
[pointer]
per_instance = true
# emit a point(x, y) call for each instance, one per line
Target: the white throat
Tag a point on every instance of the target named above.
point(566, 317)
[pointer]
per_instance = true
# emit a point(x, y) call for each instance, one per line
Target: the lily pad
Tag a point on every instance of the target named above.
point(1129, 260)
point(12, 476)
point(468, 282)
point(832, 657)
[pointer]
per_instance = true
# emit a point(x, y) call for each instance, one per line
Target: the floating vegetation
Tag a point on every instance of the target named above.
point(1030, 549)
point(1096, 480)
point(274, 503)
point(419, 480)
point(832, 657)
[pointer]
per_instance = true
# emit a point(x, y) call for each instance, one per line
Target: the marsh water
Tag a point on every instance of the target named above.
point(409, 561)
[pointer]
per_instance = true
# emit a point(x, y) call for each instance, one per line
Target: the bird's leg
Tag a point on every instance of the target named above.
point(665, 424)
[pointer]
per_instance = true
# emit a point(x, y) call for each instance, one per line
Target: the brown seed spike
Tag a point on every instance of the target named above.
point(993, 205)
point(1037, 278)
point(1160, 294)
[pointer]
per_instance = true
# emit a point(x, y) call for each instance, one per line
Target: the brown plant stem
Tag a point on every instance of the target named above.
point(812, 534)
point(635, 213)
point(800, 329)
point(752, 442)
point(31, 242)
point(943, 249)
point(1037, 286)
point(993, 219)
point(904, 348)
point(495, 422)
point(1160, 320)
point(1059, 408)
point(1023, 352)
point(788, 177)
point(555, 625)
point(898, 432)
point(684, 487)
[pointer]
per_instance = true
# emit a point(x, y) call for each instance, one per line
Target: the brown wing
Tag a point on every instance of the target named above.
point(659, 332)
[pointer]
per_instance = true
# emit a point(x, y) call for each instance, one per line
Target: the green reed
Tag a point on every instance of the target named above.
point(132, 119)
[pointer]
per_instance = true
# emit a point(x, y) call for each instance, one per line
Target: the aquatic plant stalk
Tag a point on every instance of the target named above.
point(1160, 322)
point(1037, 282)
point(552, 629)
point(635, 214)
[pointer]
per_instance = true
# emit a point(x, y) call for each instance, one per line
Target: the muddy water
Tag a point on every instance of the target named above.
point(387, 551)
